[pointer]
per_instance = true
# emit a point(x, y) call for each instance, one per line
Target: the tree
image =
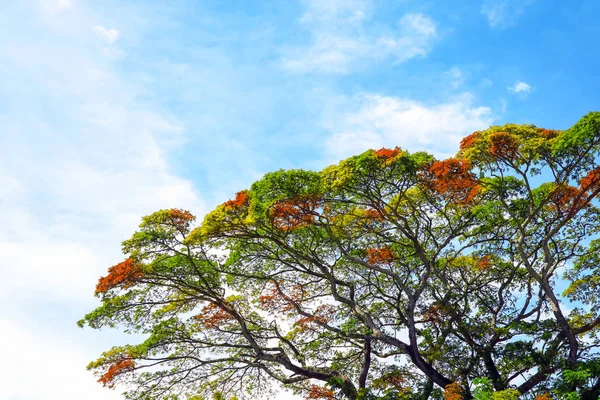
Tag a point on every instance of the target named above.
point(390, 275)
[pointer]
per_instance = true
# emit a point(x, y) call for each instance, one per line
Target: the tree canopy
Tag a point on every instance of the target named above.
point(391, 275)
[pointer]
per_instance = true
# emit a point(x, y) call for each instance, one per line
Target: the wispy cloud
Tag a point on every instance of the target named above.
point(83, 159)
point(486, 83)
point(414, 38)
point(342, 38)
point(110, 36)
point(520, 87)
point(455, 76)
point(392, 121)
point(329, 53)
point(503, 14)
point(53, 6)
point(337, 12)
point(50, 359)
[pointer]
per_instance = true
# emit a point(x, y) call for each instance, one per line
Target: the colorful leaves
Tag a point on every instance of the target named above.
point(453, 391)
point(476, 263)
point(388, 155)
point(290, 214)
point(284, 198)
point(124, 274)
point(549, 133)
point(240, 200)
point(435, 313)
point(352, 174)
point(162, 229)
point(322, 315)
point(181, 218)
point(510, 144)
point(227, 217)
point(565, 198)
point(503, 146)
point(453, 179)
point(358, 253)
point(169, 218)
point(119, 367)
point(282, 299)
point(307, 321)
point(383, 255)
point(319, 392)
point(590, 182)
point(469, 141)
point(213, 316)
point(483, 263)
point(372, 213)
point(393, 379)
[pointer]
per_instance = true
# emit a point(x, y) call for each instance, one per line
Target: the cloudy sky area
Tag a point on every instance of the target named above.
point(110, 110)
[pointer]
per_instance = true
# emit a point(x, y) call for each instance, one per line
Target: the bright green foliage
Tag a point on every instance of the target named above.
point(388, 276)
point(483, 390)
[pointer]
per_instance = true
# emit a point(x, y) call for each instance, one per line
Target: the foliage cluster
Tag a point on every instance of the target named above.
point(391, 275)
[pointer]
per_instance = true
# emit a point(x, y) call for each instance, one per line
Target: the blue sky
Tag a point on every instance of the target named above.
point(110, 110)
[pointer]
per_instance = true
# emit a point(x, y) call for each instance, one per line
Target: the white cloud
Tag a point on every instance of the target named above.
point(113, 53)
point(62, 4)
point(502, 14)
point(64, 270)
point(329, 53)
point(486, 83)
point(53, 6)
point(94, 194)
point(343, 39)
point(385, 121)
point(520, 87)
point(335, 11)
point(110, 36)
point(415, 38)
point(55, 365)
point(455, 76)
point(83, 159)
